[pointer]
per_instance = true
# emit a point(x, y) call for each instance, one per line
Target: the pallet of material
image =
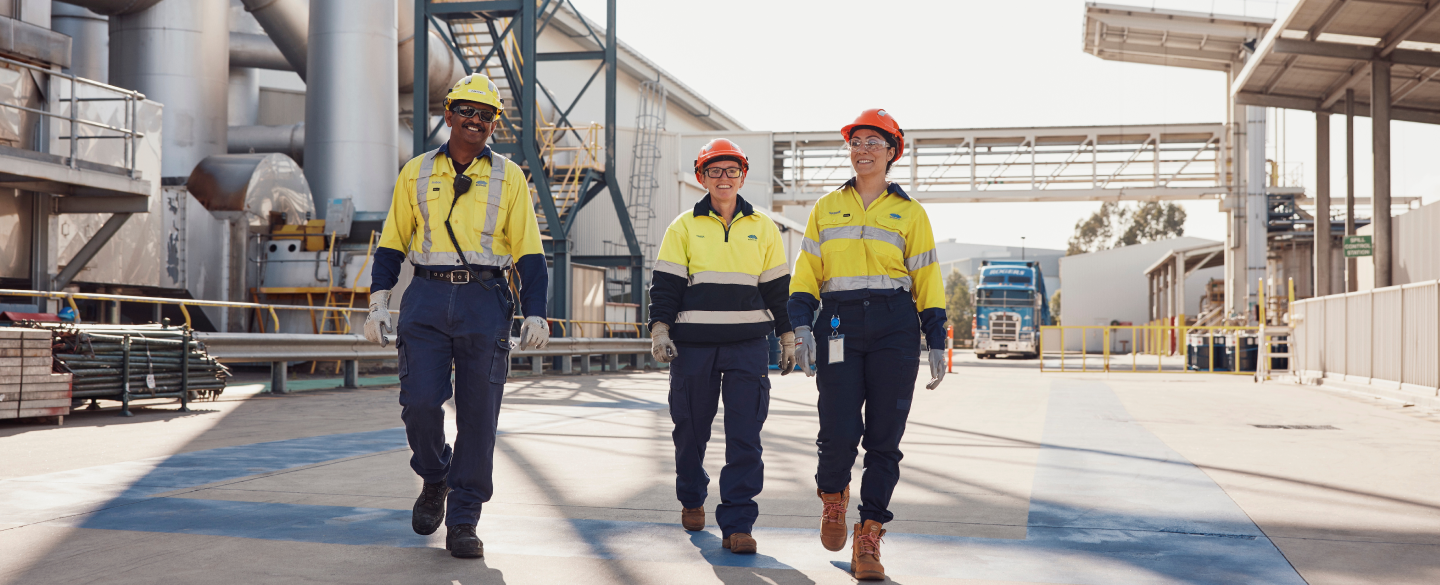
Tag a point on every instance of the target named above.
point(28, 386)
point(9, 401)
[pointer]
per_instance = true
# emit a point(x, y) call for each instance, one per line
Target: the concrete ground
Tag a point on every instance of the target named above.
point(1010, 476)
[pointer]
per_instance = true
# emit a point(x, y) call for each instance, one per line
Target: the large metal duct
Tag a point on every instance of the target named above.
point(351, 104)
point(445, 68)
point(90, 44)
point(244, 99)
point(286, 140)
point(258, 51)
point(251, 186)
point(288, 24)
point(177, 53)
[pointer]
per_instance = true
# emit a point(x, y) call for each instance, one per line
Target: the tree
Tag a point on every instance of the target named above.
point(1145, 222)
point(1055, 307)
point(958, 305)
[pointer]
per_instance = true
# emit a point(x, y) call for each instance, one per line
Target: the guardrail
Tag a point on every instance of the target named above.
point(1387, 336)
point(1165, 348)
point(565, 326)
point(126, 132)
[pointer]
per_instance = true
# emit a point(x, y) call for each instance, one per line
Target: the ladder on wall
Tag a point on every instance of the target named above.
point(649, 123)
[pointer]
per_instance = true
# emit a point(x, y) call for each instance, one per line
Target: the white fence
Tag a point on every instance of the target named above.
point(1388, 336)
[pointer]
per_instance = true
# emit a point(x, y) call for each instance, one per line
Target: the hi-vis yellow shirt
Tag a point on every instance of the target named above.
point(850, 252)
point(716, 284)
point(494, 222)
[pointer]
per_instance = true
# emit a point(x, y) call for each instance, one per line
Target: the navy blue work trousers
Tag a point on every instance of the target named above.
point(882, 358)
point(699, 378)
point(467, 327)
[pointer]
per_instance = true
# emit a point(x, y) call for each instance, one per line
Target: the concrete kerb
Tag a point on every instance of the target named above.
point(1371, 390)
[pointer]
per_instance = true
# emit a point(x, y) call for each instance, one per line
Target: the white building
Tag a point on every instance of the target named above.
point(1109, 286)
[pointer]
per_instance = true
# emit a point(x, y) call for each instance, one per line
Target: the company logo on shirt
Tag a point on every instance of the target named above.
point(752, 237)
point(835, 212)
point(699, 235)
point(895, 216)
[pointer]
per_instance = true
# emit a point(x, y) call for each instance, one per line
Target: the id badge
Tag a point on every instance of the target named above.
point(837, 349)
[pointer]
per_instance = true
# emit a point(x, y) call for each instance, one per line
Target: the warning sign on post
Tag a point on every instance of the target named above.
point(1357, 246)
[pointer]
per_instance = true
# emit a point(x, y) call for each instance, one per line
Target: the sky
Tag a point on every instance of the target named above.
point(785, 65)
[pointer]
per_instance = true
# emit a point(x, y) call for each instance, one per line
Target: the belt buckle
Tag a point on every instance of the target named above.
point(460, 277)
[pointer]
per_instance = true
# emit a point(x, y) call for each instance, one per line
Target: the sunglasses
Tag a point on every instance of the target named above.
point(468, 111)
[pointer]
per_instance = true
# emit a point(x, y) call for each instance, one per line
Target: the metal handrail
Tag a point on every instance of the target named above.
point(128, 96)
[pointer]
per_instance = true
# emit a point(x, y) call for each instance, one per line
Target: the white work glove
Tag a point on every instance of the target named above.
point(805, 350)
point(377, 323)
point(661, 347)
point(787, 352)
point(937, 368)
point(534, 333)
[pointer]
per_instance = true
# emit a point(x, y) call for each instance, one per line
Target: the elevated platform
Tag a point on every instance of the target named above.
point(87, 187)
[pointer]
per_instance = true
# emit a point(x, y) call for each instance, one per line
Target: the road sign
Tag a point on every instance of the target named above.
point(1357, 246)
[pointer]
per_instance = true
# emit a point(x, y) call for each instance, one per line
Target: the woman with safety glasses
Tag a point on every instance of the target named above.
point(719, 288)
point(868, 265)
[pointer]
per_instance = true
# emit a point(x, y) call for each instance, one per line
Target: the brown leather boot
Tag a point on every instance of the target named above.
point(865, 551)
point(739, 543)
point(693, 519)
point(832, 519)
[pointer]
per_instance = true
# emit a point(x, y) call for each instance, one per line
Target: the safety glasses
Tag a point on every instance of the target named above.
point(468, 111)
point(733, 172)
point(871, 145)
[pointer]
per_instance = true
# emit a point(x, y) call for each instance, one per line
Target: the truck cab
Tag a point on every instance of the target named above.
point(1010, 307)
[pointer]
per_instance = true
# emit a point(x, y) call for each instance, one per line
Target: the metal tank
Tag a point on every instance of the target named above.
point(177, 53)
point(351, 104)
point(251, 186)
point(445, 68)
point(90, 44)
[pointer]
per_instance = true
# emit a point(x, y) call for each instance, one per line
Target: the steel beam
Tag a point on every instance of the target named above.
point(130, 204)
point(1352, 280)
point(1380, 144)
point(420, 114)
point(91, 247)
point(1322, 204)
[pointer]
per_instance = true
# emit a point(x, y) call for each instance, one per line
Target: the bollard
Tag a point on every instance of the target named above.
point(585, 364)
point(537, 365)
point(612, 362)
point(352, 374)
point(567, 364)
point(277, 378)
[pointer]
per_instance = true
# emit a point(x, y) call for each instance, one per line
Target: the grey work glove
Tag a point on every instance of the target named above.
point(661, 347)
point(937, 368)
point(787, 352)
point(377, 323)
point(534, 333)
point(805, 350)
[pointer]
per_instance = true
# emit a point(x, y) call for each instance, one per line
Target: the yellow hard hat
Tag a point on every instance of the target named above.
point(477, 88)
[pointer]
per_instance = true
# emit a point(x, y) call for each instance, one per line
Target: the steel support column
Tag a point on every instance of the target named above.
point(637, 275)
point(1380, 146)
point(1256, 206)
point(529, 138)
point(420, 112)
point(1352, 279)
point(40, 244)
point(1322, 204)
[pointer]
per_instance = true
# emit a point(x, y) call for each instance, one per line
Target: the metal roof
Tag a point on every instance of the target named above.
point(1324, 47)
point(1173, 38)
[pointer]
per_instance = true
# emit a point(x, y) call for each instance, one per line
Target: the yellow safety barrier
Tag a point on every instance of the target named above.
point(1164, 347)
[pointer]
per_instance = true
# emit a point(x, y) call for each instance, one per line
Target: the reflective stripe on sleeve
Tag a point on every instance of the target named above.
point(724, 317)
point(715, 277)
point(921, 260)
point(774, 273)
point(669, 267)
point(811, 246)
point(844, 283)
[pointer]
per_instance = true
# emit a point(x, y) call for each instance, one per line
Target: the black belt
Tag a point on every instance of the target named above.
point(461, 276)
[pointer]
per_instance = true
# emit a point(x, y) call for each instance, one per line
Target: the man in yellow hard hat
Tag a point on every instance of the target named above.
point(462, 215)
point(720, 287)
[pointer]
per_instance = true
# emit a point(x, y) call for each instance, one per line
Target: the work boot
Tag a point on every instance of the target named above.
point(462, 543)
point(832, 519)
point(693, 519)
point(739, 543)
point(429, 509)
point(865, 552)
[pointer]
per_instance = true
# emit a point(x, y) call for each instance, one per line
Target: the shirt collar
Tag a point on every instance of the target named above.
point(445, 150)
point(892, 188)
point(742, 207)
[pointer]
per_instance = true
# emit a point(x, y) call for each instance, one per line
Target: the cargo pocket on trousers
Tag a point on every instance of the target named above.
point(763, 408)
point(500, 363)
point(404, 365)
point(679, 401)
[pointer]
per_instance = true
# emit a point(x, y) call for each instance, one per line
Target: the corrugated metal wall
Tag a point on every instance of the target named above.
point(1389, 335)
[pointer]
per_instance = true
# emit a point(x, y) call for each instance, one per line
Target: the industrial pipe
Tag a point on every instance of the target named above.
point(258, 51)
point(286, 140)
point(288, 24)
point(90, 40)
point(351, 104)
point(445, 68)
point(114, 7)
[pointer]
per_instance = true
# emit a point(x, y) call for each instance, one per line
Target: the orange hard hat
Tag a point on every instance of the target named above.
point(719, 148)
point(881, 119)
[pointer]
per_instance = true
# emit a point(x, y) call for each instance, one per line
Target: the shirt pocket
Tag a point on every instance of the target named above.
point(482, 209)
point(836, 233)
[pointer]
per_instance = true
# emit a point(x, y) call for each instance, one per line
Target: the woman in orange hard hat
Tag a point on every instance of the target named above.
point(868, 264)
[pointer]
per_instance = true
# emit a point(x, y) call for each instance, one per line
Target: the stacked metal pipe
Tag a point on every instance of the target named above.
point(157, 361)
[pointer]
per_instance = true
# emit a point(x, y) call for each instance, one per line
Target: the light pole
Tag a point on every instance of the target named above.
point(1022, 248)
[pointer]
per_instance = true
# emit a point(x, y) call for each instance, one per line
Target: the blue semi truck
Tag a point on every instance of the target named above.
point(1010, 307)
